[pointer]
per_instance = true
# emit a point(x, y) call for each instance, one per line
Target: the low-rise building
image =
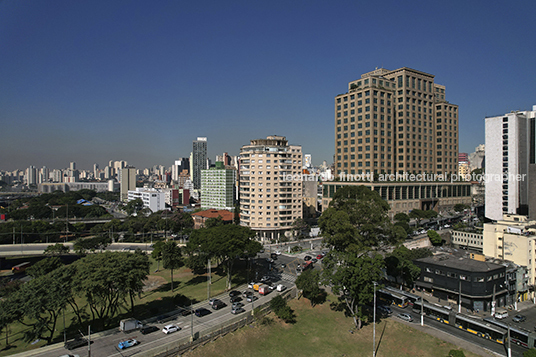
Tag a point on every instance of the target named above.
point(201, 217)
point(469, 240)
point(152, 198)
point(480, 283)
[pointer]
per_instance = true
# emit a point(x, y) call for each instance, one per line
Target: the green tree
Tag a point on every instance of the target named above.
point(214, 222)
point(352, 277)
point(136, 267)
point(156, 254)
point(44, 266)
point(399, 264)
point(356, 220)
point(171, 258)
point(134, 206)
point(300, 228)
point(417, 214)
point(435, 238)
point(459, 207)
point(56, 249)
point(83, 246)
point(401, 217)
point(308, 282)
point(430, 214)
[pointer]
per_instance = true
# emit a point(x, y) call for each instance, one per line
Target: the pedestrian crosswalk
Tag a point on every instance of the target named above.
point(288, 277)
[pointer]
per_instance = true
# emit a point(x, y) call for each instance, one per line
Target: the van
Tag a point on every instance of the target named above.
point(501, 314)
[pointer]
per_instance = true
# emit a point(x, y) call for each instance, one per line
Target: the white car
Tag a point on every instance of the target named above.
point(170, 328)
point(405, 317)
point(277, 252)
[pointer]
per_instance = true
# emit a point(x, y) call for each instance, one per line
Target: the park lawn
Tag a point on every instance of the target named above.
point(151, 303)
point(319, 331)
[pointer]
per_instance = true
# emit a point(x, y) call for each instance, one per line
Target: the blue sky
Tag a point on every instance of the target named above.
point(93, 81)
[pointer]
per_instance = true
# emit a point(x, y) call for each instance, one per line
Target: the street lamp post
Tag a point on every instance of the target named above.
point(374, 323)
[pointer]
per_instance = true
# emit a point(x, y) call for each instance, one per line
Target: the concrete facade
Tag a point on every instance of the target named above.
point(269, 202)
point(218, 188)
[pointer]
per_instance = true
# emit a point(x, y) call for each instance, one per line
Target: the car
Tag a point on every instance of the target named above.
point(218, 305)
point(319, 256)
point(277, 252)
point(283, 266)
point(261, 251)
point(234, 299)
point(250, 285)
point(148, 329)
point(237, 310)
point(213, 301)
point(166, 318)
point(265, 279)
point(307, 258)
point(314, 260)
point(519, 318)
point(70, 356)
point(405, 317)
point(251, 298)
point(236, 305)
point(170, 329)
point(324, 253)
point(247, 292)
point(385, 309)
point(77, 342)
point(127, 343)
point(202, 312)
point(234, 293)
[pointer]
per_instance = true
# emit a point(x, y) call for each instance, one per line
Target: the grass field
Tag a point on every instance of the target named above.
point(319, 331)
point(153, 302)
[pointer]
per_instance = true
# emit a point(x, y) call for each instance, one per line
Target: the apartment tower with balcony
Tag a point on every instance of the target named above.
point(270, 186)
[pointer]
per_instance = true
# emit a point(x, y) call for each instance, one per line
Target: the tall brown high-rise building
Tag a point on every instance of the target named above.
point(395, 122)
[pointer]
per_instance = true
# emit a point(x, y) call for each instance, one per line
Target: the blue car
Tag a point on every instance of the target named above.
point(127, 343)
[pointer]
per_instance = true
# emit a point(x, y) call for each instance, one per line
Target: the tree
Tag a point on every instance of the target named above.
point(83, 246)
point(300, 228)
point(401, 217)
point(459, 207)
point(171, 258)
point(308, 282)
point(44, 266)
point(134, 206)
point(181, 221)
point(41, 301)
point(356, 220)
point(214, 222)
point(137, 268)
point(435, 238)
point(417, 214)
point(56, 249)
point(156, 254)
point(279, 306)
point(399, 264)
point(430, 214)
point(352, 277)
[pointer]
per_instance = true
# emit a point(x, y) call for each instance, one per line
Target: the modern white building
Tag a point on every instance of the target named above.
point(153, 199)
point(218, 188)
point(509, 150)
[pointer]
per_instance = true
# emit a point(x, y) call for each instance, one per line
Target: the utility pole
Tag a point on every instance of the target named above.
point(89, 341)
point(208, 280)
point(460, 298)
point(374, 322)
point(422, 306)
point(509, 347)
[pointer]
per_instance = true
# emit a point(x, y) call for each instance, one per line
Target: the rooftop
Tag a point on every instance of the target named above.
point(460, 263)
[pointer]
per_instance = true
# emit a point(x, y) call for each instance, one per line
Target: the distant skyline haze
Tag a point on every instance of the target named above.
point(94, 81)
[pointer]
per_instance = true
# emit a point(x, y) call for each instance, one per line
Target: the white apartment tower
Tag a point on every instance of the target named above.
point(270, 191)
point(509, 151)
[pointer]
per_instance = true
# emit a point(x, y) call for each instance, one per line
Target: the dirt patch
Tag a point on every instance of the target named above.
point(153, 282)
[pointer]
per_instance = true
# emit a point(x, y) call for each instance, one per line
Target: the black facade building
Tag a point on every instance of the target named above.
point(480, 282)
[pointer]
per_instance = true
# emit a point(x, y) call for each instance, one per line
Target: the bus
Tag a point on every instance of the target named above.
point(464, 322)
point(20, 268)
point(392, 298)
point(519, 336)
point(411, 298)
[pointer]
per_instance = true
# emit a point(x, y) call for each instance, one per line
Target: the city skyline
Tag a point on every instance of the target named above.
point(104, 81)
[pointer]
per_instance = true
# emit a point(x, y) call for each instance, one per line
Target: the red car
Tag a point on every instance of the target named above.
point(319, 256)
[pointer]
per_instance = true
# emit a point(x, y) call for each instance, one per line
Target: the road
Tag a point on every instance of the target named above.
point(488, 345)
point(39, 248)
